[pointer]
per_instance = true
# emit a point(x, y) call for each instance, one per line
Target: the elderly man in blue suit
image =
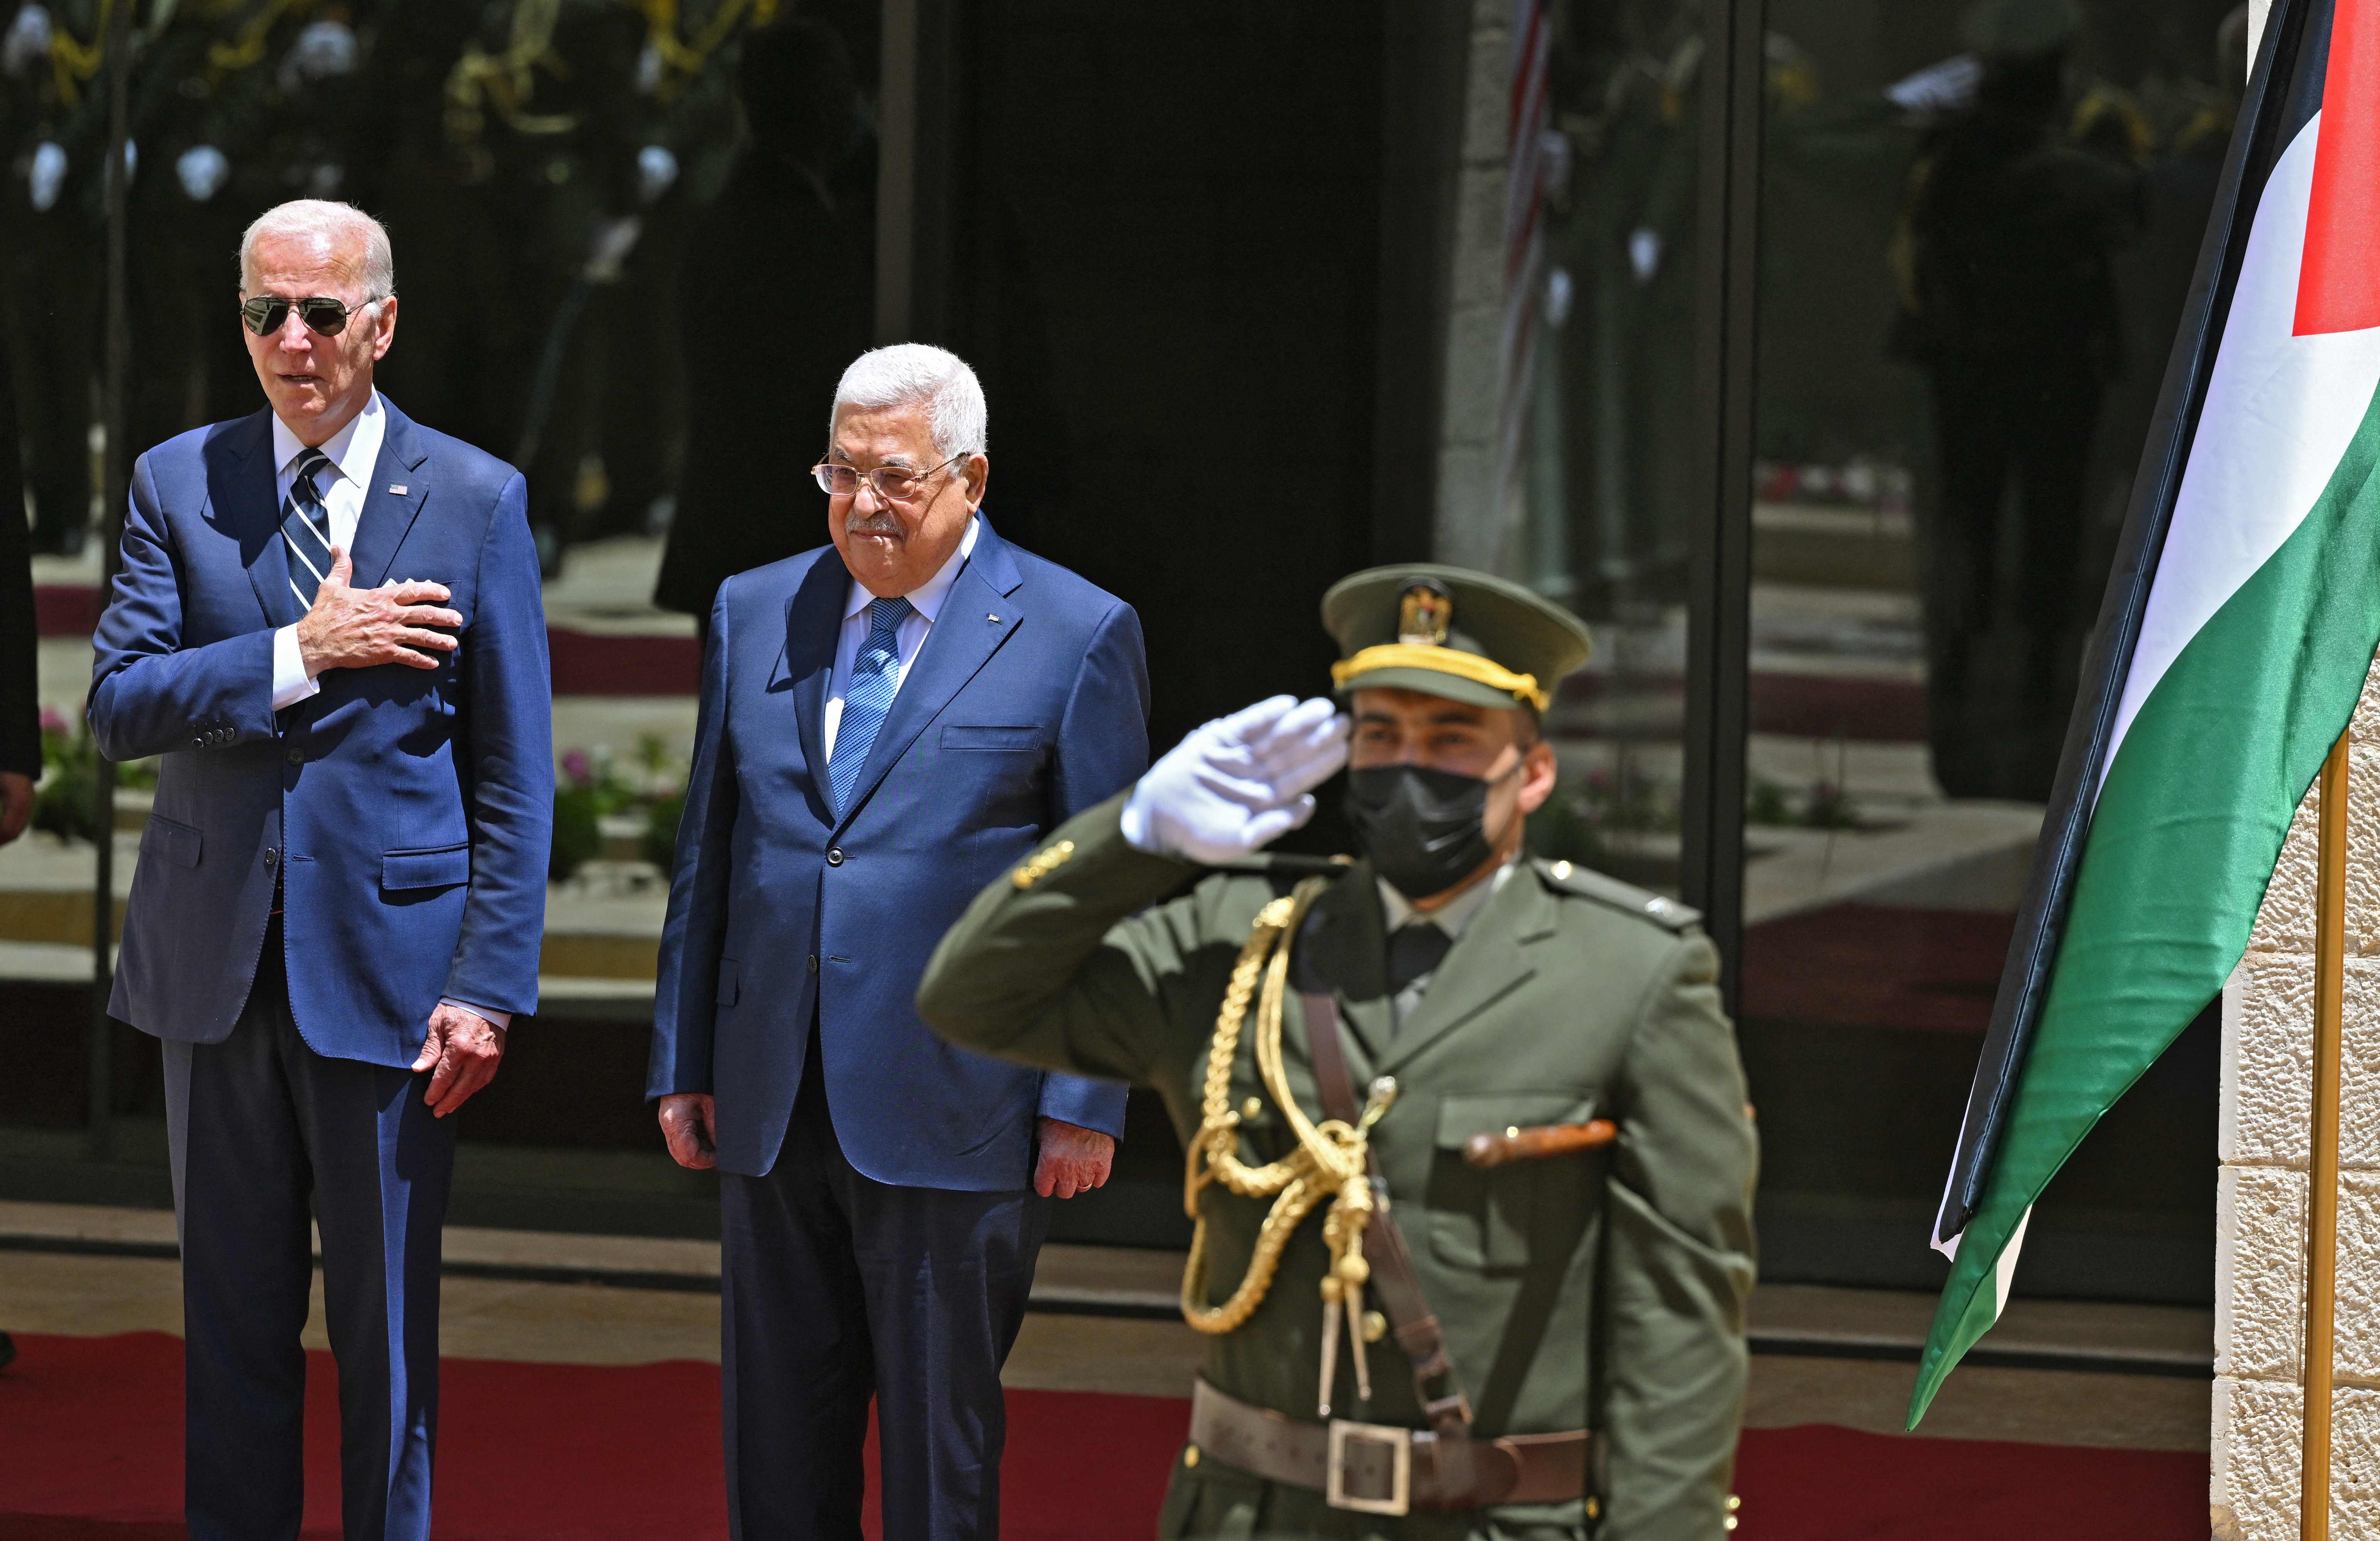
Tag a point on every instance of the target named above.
point(887, 724)
point(342, 890)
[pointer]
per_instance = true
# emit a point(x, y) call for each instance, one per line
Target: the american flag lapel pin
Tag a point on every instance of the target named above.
point(397, 489)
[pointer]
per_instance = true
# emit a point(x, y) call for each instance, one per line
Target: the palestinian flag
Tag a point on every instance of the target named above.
point(2237, 631)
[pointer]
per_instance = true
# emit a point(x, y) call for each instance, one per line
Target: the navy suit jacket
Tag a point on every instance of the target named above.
point(405, 812)
point(1027, 703)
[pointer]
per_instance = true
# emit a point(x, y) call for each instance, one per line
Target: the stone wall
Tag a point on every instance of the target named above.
point(2261, 1221)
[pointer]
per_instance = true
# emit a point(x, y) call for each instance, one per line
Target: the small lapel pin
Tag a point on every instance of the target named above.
point(397, 489)
point(991, 617)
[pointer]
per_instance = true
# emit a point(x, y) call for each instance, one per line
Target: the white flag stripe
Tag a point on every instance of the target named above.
point(319, 538)
point(297, 553)
point(2280, 411)
point(2004, 1265)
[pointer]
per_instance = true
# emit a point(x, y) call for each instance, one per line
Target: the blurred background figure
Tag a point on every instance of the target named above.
point(685, 77)
point(534, 189)
point(786, 257)
point(2016, 203)
point(236, 108)
point(53, 106)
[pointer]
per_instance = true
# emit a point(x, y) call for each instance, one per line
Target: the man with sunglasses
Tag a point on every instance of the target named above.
point(327, 627)
point(887, 722)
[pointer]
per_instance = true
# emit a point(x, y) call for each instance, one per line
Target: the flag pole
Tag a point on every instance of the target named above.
point(2322, 1176)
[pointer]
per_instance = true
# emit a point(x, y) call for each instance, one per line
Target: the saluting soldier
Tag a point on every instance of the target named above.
point(1470, 1163)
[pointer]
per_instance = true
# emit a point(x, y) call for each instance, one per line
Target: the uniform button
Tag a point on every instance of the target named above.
point(296, 757)
point(813, 962)
point(834, 856)
point(198, 743)
point(272, 858)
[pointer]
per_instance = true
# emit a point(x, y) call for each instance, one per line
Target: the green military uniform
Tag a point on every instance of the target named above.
point(1602, 1288)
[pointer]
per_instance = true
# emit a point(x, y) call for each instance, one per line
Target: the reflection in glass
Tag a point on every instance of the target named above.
point(1978, 222)
point(1610, 478)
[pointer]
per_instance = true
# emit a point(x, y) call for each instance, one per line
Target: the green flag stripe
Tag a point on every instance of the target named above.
point(2183, 843)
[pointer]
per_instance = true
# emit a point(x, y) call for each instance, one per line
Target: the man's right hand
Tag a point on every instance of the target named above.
point(360, 629)
point(1239, 782)
point(688, 1123)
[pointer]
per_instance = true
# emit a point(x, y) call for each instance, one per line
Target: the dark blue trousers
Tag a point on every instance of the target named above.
point(837, 1287)
point(264, 1130)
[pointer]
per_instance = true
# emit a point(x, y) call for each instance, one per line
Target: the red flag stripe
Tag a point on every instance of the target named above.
point(2338, 281)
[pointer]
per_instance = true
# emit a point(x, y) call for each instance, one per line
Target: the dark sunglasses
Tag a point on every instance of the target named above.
point(265, 313)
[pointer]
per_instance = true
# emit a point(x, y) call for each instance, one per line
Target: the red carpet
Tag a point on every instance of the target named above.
point(90, 1451)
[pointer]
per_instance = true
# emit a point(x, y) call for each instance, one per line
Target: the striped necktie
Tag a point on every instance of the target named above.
point(306, 530)
point(875, 676)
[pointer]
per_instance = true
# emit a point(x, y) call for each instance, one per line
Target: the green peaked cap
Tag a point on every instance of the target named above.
point(1449, 631)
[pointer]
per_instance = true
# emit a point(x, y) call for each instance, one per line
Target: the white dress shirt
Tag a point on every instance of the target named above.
point(925, 600)
point(354, 451)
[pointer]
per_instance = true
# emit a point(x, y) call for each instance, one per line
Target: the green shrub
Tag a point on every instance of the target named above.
point(661, 830)
point(577, 835)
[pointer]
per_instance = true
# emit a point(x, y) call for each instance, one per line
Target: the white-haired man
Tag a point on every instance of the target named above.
point(887, 722)
point(342, 889)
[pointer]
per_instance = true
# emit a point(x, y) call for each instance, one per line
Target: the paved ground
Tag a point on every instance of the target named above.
point(585, 1323)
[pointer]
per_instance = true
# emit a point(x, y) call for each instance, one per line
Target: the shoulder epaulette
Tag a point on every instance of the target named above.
point(1571, 877)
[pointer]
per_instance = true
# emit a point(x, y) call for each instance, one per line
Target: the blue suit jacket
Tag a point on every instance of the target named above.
point(406, 812)
point(1027, 703)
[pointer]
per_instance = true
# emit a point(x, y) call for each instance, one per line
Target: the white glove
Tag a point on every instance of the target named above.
point(27, 39)
point(608, 246)
point(656, 169)
point(1238, 781)
point(324, 51)
point(46, 176)
point(1946, 87)
point(1645, 253)
point(202, 169)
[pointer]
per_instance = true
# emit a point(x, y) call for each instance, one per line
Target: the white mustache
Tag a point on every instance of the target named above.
point(882, 522)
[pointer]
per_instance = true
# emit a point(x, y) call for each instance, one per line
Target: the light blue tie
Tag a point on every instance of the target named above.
point(875, 676)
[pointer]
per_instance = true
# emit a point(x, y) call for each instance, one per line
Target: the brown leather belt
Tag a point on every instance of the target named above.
point(1380, 1470)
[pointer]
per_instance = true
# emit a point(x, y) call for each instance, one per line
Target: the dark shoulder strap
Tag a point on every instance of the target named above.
point(1329, 1053)
point(1435, 1381)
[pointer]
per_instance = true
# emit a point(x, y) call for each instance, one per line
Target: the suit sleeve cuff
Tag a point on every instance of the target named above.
point(290, 682)
point(1084, 1101)
point(494, 1017)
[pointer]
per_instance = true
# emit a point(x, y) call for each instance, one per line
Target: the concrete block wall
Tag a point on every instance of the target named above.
point(2261, 1198)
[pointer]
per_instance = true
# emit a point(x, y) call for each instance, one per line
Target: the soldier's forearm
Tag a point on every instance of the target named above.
point(1017, 951)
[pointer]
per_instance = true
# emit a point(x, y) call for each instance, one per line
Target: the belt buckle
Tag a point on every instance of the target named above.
point(1348, 1439)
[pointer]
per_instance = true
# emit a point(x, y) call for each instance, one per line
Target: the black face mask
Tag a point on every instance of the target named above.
point(1425, 830)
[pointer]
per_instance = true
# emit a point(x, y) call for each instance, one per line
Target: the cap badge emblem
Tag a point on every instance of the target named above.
point(1423, 614)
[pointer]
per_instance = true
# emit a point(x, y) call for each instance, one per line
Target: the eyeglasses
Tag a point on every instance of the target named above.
point(265, 313)
point(892, 483)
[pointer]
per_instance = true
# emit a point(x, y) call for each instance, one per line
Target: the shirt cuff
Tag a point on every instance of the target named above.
point(494, 1017)
point(290, 685)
